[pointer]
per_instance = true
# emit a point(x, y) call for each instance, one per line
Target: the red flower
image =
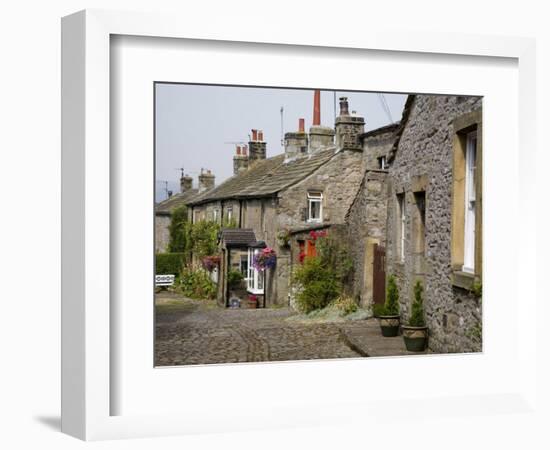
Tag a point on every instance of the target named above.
point(317, 234)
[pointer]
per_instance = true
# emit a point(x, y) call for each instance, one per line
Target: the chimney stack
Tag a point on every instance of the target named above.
point(240, 160)
point(348, 128)
point(319, 137)
point(257, 146)
point(186, 183)
point(296, 142)
point(206, 180)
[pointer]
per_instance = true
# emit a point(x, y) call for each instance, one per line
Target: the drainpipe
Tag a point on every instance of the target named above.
point(240, 213)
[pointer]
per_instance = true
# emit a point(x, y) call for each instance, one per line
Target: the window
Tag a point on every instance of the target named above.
point(216, 215)
point(255, 279)
point(466, 226)
point(470, 203)
point(244, 266)
point(401, 226)
point(382, 162)
point(229, 214)
point(315, 207)
point(419, 223)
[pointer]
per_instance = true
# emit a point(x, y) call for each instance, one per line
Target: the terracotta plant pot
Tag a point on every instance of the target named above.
point(252, 304)
point(416, 338)
point(389, 325)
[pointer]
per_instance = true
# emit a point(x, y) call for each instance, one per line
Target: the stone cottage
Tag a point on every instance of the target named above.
point(418, 216)
point(309, 187)
point(164, 209)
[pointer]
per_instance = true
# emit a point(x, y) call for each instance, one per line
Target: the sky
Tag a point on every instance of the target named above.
point(197, 125)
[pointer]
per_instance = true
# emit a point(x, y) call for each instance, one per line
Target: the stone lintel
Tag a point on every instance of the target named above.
point(419, 183)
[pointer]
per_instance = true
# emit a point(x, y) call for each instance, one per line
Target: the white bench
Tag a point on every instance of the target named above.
point(164, 280)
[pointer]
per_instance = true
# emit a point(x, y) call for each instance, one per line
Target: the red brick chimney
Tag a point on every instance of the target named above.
point(317, 107)
point(254, 135)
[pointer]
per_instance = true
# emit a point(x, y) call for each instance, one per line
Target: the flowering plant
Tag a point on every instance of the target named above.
point(210, 262)
point(253, 298)
point(266, 259)
point(314, 235)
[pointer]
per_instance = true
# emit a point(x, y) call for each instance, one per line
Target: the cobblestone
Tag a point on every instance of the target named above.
point(197, 332)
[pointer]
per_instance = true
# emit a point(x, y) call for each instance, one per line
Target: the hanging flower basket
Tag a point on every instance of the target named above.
point(210, 262)
point(266, 259)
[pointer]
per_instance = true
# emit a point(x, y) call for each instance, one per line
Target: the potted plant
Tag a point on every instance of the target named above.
point(235, 280)
point(415, 333)
point(389, 314)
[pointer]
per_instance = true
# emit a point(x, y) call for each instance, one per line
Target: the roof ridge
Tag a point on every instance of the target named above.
point(267, 177)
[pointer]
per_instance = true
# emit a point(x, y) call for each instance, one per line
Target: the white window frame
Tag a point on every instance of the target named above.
point(229, 213)
point(314, 197)
point(470, 203)
point(402, 225)
point(382, 162)
point(255, 279)
point(216, 214)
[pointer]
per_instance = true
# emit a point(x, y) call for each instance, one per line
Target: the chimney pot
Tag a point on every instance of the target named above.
point(238, 149)
point(344, 106)
point(301, 125)
point(244, 150)
point(254, 135)
point(260, 135)
point(317, 107)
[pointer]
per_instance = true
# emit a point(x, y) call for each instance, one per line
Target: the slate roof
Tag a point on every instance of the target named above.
point(266, 177)
point(167, 206)
point(384, 129)
point(238, 237)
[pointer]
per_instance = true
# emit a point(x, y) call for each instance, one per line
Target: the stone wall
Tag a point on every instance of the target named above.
point(378, 143)
point(338, 180)
point(366, 222)
point(162, 232)
point(423, 163)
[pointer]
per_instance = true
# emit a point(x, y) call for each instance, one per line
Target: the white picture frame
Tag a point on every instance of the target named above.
point(88, 386)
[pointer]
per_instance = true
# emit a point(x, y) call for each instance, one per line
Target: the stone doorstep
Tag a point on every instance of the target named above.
point(371, 342)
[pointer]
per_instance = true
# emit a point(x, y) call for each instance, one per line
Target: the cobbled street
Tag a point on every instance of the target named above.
point(199, 332)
